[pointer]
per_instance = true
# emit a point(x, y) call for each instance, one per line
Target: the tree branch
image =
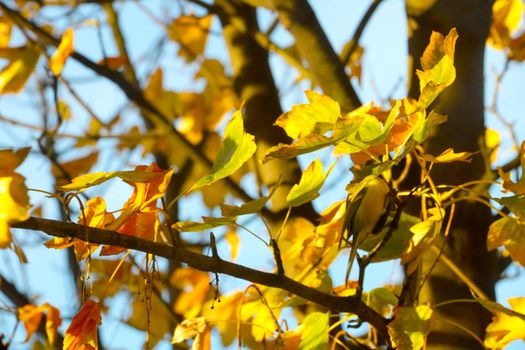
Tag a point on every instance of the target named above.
point(132, 92)
point(354, 41)
point(206, 263)
point(313, 45)
point(20, 299)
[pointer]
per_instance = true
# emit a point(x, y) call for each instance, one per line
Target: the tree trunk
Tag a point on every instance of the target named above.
point(463, 102)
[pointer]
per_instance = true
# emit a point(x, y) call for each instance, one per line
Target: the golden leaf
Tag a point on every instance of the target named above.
point(64, 50)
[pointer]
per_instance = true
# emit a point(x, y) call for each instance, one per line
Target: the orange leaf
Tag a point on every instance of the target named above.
point(114, 62)
point(195, 286)
point(31, 316)
point(145, 194)
point(82, 332)
point(64, 49)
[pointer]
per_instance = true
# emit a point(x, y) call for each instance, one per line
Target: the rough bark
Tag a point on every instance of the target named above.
point(463, 102)
point(313, 45)
point(254, 84)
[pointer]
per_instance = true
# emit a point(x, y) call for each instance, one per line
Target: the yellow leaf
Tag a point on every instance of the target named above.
point(195, 287)
point(317, 116)
point(506, 18)
point(82, 332)
point(197, 328)
point(438, 66)
point(308, 187)
point(191, 33)
point(492, 142)
point(410, 327)
point(21, 64)
point(236, 148)
point(506, 328)
point(11, 159)
point(448, 156)
point(14, 205)
point(233, 240)
point(510, 233)
point(507, 183)
point(31, 316)
point(307, 144)
point(74, 168)
point(159, 316)
point(418, 7)
point(64, 49)
point(5, 31)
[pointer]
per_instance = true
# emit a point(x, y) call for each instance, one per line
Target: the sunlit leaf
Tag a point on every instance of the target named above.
point(250, 207)
point(197, 328)
point(410, 327)
point(509, 185)
point(510, 233)
point(317, 116)
point(82, 332)
point(448, 156)
point(64, 50)
point(31, 316)
point(438, 66)
point(74, 168)
point(194, 288)
point(83, 182)
point(307, 144)
point(424, 126)
point(505, 328)
point(207, 224)
point(262, 315)
point(5, 31)
point(21, 65)
point(191, 33)
point(234, 241)
point(308, 187)
point(236, 148)
point(315, 331)
point(506, 18)
point(150, 314)
point(14, 205)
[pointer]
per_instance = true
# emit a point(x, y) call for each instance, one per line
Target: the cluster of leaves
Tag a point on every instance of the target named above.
point(376, 139)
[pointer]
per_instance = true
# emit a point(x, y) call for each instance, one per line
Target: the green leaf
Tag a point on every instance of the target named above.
point(397, 244)
point(380, 299)
point(308, 187)
point(448, 156)
point(438, 66)
point(315, 331)
point(410, 327)
point(510, 233)
point(307, 144)
point(235, 150)
point(207, 224)
point(424, 125)
point(317, 116)
point(250, 207)
point(85, 181)
point(515, 204)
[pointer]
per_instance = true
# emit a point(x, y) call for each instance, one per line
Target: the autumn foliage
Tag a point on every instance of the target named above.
point(202, 146)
